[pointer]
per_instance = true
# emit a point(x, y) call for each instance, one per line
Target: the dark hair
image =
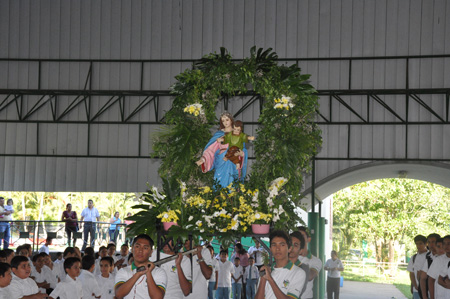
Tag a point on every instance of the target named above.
point(89, 251)
point(58, 254)
point(8, 251)
point(68, 205)
point(224, 251)
point(227, 114)
point(440, 240)
point(420, 238)
point(108, 259)
point(69, 250)
point(240, 248)
point(145, 237)
point(3, 254)
point(90, 200)
point(35, 258)
point(433, 235)
point(251, 258)
point(298, 235)
point(101, 248)
point(236, 258)
point(19, 248)
point(239, 124)
point(4, 267)
point(17, 260)
point(304, 229)
point(446, 237)
point(87, 262)
point(280, 234)
point(27, 246)
point(111, 245)
point(69, 262)
point(333, 251)
point(124, 244)
point(130, 256)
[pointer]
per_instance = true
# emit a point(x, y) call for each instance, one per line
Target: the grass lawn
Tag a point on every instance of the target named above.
point(400, 279)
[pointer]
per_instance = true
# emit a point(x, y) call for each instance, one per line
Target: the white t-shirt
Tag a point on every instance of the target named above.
point(54, 274)
point(225, 271)
point(313, 263)
point(290, 279)
point(44, 275)
point(199, 282)
point(106, 285)
point(173, 290)
point(140, 288)
point(68, 289)
point(90, 214)
point(334, 264)
point(415, 264)
point(439, 268)
point(44, 248)
point(215, 268)
point(21, 287)
point(238, 271)
point(90, 286)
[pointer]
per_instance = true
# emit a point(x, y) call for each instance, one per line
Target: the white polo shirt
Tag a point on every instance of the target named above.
point(439, 267)
point(106, 285)
point(225, 271)
point(44, 275)
point(199, 282)
point(215, 268)
point(173, 290)
point(90, 214)
point(238, 271)
point(415, 264)
point(256, 253)
point(21, 287)
point(90, 285)
point(334, 264)
point(140, 288)
point(253, 270)
point(289, 279)
point(68, 289)
point(313, 263)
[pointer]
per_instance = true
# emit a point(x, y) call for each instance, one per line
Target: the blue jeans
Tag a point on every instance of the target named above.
point(5, 229)
point(223, 293)
point(211, 291)
point(113, 233)
point(416, 295)
point(251, 288)
point(236, 290)
point(89, 228)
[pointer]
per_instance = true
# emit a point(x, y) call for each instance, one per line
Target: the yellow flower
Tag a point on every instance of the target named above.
point(196, 113)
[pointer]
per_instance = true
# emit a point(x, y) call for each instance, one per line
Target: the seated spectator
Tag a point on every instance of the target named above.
point(59, 258)
point(2, 256)
point(106, 279)
point(5, 278)
point(87, 279)
point(71, 288)
point(9, 255)
point(21, 284)
point(41, 274)
point(54, 271)
point(102, 252)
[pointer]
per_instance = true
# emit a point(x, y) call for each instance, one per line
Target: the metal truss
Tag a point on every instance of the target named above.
point(85, 96)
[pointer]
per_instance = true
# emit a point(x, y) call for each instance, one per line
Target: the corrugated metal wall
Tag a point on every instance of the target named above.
point(170, 29)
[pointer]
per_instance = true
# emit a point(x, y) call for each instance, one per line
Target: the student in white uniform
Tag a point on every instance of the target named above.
point(237, 279)
point(71, 287)
point(21, 284)
point(5, 279)
point(251, 278)
point(334, 268)
point(106, 279)
point(212, 285)
point(141, 279)
point(416, 264)
point(91, 290)
point(283, 279)
point(314, 263)
point(202, 271)
point(179, 278)
point(226, 269)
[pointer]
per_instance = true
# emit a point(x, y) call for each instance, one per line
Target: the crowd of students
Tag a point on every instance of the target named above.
point(429, 267)
point(108, 274)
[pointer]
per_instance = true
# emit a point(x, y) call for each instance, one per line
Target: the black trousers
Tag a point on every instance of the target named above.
point(333, 285)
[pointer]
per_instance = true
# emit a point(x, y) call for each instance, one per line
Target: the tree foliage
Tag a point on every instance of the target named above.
point(387, 210)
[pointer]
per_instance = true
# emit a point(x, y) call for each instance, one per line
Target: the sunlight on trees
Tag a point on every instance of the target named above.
point(388, 213)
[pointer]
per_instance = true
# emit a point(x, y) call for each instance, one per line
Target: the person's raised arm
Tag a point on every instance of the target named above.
point(186, 285)
point(206, 270)
point(153, 290)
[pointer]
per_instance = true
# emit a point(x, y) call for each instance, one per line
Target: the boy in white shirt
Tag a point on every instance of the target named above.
point(5, 279)
point(87, 279)
point(141, 279)
point(284, 279)
point(40, 273)
point(251, 277)
point(213, 280)
point(237, 276)
point(226, 269)
point(106, 279)
point(71, 287)
point(21, 284)
point(102, 252)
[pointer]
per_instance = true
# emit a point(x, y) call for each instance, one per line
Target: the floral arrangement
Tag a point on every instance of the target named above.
point(283, 103)
point(206, 211)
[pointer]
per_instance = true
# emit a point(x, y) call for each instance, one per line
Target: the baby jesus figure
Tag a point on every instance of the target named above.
point(235, 140)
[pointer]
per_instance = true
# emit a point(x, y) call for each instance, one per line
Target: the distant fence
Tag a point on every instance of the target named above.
point(36, 232)
point(369, 268)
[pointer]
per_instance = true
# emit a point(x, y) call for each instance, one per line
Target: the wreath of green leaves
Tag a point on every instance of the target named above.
point(285, 140)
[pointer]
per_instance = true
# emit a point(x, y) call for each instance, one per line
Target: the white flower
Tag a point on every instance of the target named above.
point(255, 197)
point(257, 216)
point(199, 223)
point(190, 218)
point(269, 202)
point(166, 215)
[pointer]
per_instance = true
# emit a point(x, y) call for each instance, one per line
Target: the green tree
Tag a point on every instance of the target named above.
point(389, 210)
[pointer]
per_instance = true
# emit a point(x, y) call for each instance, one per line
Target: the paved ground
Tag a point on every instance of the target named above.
point(367, 290)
